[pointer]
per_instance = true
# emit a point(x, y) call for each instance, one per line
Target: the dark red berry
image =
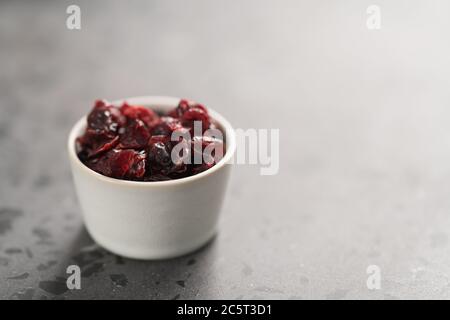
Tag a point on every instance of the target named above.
point(96, 142)
point(166, 125)
point(202, 167)
point(146, 115)
point(135, 135)
point(196, 114)
point(105, 118)
point(189, 111)
point(120, 164)
point(159, 154)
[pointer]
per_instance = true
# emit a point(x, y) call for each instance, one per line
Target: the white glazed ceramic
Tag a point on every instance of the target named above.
point(152, 220)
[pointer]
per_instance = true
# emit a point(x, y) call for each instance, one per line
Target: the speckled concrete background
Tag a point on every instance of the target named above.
point(365, 144)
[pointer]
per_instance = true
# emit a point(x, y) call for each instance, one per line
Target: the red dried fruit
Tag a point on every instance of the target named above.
point(159, 154)
point(165, 126)
point(148, 116)
point(135, 143)
point(135, 135)
point(120, 164)
point(202, 167)
point(105, 118)
point(96, 142)
point(183, 106)
point(189, 111)
point(204, 148)
point(159, 138)
point(196, 114)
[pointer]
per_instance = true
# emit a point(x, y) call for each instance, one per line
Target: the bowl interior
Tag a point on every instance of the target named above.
point(159, 104)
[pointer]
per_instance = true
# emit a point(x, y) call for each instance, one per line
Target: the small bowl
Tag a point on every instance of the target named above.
point(152, 220)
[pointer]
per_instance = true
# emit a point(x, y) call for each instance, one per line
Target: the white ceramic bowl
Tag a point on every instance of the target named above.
point(152, 220)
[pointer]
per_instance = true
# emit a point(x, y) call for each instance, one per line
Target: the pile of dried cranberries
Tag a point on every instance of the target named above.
point(135, 143)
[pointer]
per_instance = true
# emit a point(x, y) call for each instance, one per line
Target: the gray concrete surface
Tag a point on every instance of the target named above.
point(365, 144)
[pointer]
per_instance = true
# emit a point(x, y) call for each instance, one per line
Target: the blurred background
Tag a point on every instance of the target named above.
point(364, 144)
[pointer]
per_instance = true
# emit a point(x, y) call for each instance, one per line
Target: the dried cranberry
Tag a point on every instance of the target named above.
point(166, 125)
point(188, 112)
point(160, 158)
point(196, 114)
point(159, 153)
point(96, 142)
point(135, 135)
point(183, 106)
point(209, 155)
point(148, 116)
point(105, 118)
point(158, 138)
point(202, 167)
point(120, 164)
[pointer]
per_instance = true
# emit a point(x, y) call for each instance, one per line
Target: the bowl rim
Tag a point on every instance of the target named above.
point(162, 102)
